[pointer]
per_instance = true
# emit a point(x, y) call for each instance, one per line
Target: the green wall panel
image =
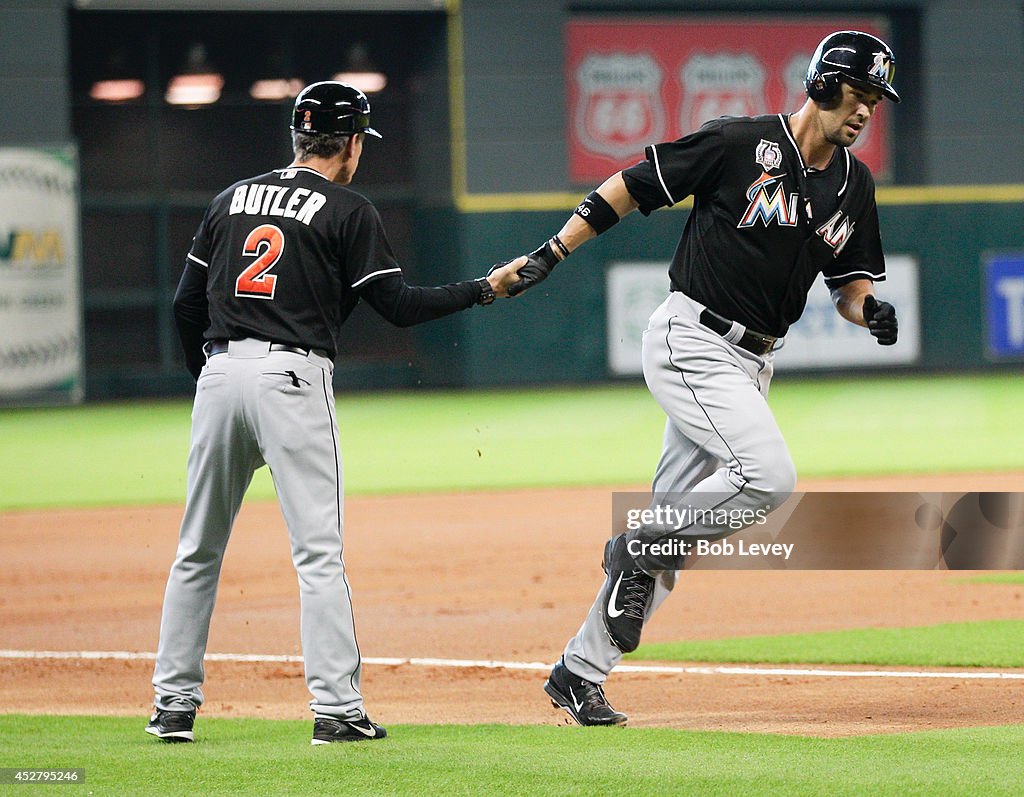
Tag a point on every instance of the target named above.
point(556, 333)
point(949, 242)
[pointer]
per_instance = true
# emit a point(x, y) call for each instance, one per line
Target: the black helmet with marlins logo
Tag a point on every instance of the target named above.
point(332, 108)
point(858, 57)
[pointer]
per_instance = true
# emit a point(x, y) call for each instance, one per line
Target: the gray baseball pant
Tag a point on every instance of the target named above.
point(254, 406)
point(722, 446)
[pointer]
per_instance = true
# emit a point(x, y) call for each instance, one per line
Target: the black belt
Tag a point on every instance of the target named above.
point(221, 346)
point(754, 342)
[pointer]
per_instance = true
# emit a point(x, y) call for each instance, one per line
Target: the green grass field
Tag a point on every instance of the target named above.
point(259, 757)
point(996, 578)
point(134, 452)
point(996, 643)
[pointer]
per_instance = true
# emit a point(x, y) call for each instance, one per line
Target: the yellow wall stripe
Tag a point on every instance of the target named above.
point(457, 101)
point(886, 195)
point(948, 194)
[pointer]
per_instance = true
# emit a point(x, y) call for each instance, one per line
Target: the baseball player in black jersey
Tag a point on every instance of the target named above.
point(777, 199)
point(278, 263)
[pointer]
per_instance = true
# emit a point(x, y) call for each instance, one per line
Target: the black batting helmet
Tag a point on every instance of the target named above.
point(332, 108)
point(858, 57)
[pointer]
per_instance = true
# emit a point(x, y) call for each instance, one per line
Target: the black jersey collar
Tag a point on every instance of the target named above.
point(784, 121)
point(301, 169)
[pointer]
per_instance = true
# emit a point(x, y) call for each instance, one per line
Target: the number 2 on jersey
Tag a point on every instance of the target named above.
point(266, 244)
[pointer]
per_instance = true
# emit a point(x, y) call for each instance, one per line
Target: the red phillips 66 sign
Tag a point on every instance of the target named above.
point(631, 83)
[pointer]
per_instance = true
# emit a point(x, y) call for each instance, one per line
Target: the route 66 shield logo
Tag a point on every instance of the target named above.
point(619, 110)
point(720, 84)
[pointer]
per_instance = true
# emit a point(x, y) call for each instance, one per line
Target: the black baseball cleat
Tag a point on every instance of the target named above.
point(626, 595)
point(172, 726)
point(583, 699)
point(331, 729)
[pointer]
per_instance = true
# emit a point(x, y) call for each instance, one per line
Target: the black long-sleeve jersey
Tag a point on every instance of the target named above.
point(285, 257)
point(763, 224)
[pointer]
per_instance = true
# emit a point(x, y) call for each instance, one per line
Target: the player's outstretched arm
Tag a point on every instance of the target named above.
point(599, 211)
point(856, 302)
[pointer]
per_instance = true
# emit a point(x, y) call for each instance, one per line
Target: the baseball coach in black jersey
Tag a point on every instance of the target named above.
point(777, 200)
point(278, 263)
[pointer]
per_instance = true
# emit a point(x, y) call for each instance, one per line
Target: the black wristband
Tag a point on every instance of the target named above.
point(560, 246)
point(487, 294)
point(545, 253)
point(596, 212)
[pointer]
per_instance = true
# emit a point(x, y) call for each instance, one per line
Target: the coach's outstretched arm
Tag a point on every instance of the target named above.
point(405, 305)
point(598, 212)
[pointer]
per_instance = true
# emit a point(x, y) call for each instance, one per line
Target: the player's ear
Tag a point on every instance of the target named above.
point(351, 143)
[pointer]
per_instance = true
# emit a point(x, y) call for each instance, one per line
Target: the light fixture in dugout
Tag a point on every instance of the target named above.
point(199, 84)
point(360, 71)
point(116, 82)
point(275, 89)
point(276, 78)
point(122, 90)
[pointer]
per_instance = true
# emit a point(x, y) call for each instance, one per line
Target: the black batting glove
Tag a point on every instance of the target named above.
point(538, 265)
point(881, 320)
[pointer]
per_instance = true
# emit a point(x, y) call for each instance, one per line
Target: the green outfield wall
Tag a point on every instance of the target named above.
point(469, 115)
point(557, 332)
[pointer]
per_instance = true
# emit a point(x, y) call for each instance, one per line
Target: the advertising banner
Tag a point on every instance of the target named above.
point(821, 339)
point(40, 307)
point(1004, 300)
point(824, 339)
point(632, 83)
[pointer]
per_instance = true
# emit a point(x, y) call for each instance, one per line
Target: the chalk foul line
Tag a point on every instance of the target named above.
point(810, 672)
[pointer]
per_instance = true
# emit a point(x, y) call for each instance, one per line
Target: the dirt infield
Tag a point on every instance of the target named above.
point(482, 576)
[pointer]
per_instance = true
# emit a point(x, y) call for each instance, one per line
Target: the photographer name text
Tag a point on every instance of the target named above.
point(679, 547)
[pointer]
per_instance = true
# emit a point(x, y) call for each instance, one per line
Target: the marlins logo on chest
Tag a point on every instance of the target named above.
point(766, 205)
point(768, 201)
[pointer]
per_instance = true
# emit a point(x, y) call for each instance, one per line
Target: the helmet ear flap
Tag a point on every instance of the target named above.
point(821, 88)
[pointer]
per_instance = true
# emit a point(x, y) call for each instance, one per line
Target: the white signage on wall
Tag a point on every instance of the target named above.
point(634, 290)
point(820, 339)
point(40, 308)
point(824, 339)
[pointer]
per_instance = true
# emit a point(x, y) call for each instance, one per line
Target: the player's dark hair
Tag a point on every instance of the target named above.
point(306, 145)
